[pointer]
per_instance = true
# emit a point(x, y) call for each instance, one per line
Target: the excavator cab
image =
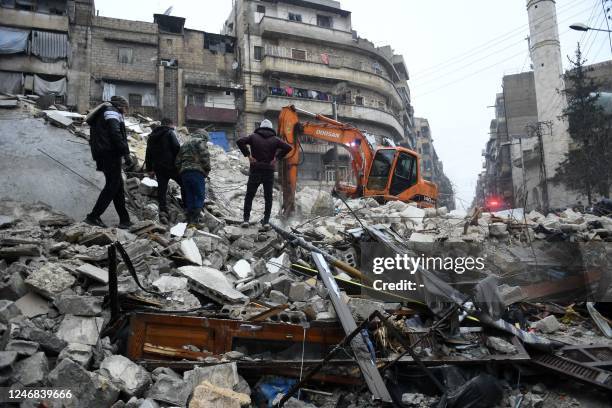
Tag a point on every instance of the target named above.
point(393, 174)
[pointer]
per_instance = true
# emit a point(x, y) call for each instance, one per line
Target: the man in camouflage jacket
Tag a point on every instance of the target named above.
point(193, 164)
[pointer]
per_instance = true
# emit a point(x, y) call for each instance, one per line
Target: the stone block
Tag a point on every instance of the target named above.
point(32, 305)
point(171, 390)
point(23, 348)
point(242, 269)
point(80, 305)
point(78, 329)
point(128, 376)
point(93, 272)
point(278, 297)
point(50, 280)
point(282, 284)
point(14, 287)
point(31, 371)
point(549, 324)
point(89, 389)
point(8, 310)
point(300, 292)
point(208, 395)
point(222, 375)
point(48, 341)
point(79, 353)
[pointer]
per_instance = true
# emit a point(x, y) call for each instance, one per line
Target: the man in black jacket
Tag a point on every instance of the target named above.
point(162, 148)
point(265, 149)
point(108, 142)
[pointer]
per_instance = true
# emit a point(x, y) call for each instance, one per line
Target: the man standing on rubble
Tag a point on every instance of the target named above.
point(265, 149)
point(108, 142)
point(162, 149)
point(193, 164)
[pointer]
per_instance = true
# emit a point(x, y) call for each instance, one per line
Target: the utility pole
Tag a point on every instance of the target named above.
point(335, 147)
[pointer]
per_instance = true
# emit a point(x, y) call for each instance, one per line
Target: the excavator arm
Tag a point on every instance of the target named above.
point(328, 130)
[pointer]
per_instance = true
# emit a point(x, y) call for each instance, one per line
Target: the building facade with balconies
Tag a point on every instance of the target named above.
point(305, 53)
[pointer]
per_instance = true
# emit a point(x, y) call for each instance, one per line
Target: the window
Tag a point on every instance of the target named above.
point(135, 100)
point(259, 93)
point(381, 168)
point(196, 99)
point(261, 9)
point(405, 174)
point(257, 53)
point(295, 17)
point(228, 93)
point(298, 54)
point(359, 100)
point(169, 42)
point(324, 21)
point(125, 55)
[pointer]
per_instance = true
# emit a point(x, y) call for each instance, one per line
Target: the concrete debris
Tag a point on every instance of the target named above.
point(300, 292)
point(80, 305)
point(8, 310)
point(32, 305)
point(89, 389)
point(242, 269)
point(128, 376)
point(170, 283)
point(82, 330)
point(170, 389)
point(50, 280)
point(23, 348)
point(212, 283)
point(191, 252)
point(549, 324)
point(32, 371)
point(221, 375)
point(93, 272)
point(208, 395)
point(26, 330)
point(179, 229)
point(79, 353)
point(501, 345)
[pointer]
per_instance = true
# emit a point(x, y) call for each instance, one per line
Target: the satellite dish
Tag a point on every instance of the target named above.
point(168, 11)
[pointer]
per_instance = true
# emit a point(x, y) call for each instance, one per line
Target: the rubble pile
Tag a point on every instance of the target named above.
point(257, 297)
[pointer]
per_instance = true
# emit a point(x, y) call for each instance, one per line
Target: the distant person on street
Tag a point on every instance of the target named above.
point(263, 148)
point(193, 164)
point(108, 142)
point(160, 160)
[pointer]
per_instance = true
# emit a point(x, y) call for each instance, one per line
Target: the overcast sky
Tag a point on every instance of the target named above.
point(456, 53)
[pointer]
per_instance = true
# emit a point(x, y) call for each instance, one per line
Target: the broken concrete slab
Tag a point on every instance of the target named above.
point(7, 358)
point(208, 395)
point(170, 283)
point(128, 376)
point(93, 272)
point(31, 371)
point(14, 287)
point(300, 292)
point(179, 229)
point(170, 389)
point(361, 309)
point(23, 348)
point(9, 103)
point(32, 305)
point(221, 375)
point(17, 251)
point(242, 269)
point(48, 341)
point(278, 297)
point(78, 329)
point(212, 283)
point(79, 353)
point(80, 305)
point(50, 280)
point(500, 345)
point(191, 252)
point(8, 310)
point(88, 389)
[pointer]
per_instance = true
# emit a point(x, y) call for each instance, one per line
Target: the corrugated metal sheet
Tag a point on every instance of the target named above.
point(49, 46)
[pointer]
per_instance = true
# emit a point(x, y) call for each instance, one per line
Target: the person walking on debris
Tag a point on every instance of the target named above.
point(108, 142)
point(193, 164)
point(162, 149)
point(265, 149)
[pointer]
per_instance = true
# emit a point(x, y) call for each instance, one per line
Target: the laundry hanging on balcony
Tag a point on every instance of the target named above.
point(43, 87)
point(13, 41)
point(11, 82)
point(49, 46)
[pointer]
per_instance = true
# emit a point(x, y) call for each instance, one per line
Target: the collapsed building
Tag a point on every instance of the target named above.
point(219, 315)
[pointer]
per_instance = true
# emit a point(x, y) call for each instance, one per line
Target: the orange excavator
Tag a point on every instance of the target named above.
point(385, 173)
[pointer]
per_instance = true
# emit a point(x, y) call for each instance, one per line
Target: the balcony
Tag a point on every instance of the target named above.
point(274, 27)
point(33, 20)
point(274, 103)
point(318, 70)
point(206, 114)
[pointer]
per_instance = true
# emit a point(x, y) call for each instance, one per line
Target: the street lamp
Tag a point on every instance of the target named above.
point(584, 27)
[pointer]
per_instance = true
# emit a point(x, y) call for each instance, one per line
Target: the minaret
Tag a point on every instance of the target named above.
point(545, 53)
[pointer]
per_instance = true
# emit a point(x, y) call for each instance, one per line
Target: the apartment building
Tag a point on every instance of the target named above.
point(432, 168)
point(305, 53)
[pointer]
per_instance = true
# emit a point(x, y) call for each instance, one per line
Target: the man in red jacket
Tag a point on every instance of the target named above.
point(263, 148)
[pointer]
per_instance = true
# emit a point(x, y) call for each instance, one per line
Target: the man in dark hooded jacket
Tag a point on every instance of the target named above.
point(265, 149)
point(109, 145)
point(162, 148)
